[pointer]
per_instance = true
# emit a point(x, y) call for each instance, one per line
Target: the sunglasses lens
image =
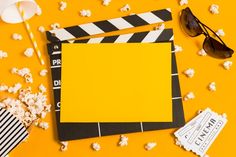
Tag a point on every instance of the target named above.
point(189, 23)
point(216, 49)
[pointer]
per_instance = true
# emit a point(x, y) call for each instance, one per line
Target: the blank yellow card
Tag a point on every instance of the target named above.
point(116, 83)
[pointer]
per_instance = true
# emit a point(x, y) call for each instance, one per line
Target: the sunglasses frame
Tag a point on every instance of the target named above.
point(203, 29)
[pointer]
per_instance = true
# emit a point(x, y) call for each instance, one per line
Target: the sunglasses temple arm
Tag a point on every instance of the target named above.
point(212, 32)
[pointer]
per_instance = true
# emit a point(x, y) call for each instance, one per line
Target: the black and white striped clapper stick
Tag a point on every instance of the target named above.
point(12, 132)
point(105, 26)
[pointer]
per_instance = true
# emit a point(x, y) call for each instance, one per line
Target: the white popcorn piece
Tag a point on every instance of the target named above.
point(123, 141)
point(214, 9)
point(14, 70)
point(62, 5)
point(85, 13)
point(96, 146)
point(43, 72)
point(183, 2)
point(106, 2)
point(212, 86)
point(178, 48)
point(189, 96)
point(3, 87)
point(125, 8)
point(227, 65)
point(39, 10)
point(15, 88)
point(16, 36)
point(28, 78)
point(220, 33)
point(43, 114)
point(150, 145)
point(3, 54)
point(202, 52)
point(160, 27)
point(24, 72)
point(42, 88)
point(64, 146)
point(55, 26)
point(47, 108)
point(41, 29)
point(189, 72)
point(29, 52)
point(44, 125)
point(2, 105)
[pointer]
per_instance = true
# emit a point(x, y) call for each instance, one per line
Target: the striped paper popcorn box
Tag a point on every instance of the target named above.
point(12, 132)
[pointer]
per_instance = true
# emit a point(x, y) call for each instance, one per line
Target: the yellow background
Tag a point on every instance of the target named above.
point(102, 80)
point(44, 143)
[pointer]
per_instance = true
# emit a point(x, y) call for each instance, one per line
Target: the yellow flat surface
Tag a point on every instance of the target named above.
point(105, 82)
point(44, 143)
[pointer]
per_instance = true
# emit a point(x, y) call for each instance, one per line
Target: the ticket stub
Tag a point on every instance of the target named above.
point(198, 134)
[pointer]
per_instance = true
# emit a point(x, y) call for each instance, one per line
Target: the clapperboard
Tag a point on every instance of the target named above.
point(12, 132)
point(72, 131)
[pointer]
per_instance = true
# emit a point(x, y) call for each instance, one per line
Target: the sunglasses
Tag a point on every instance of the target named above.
point(194, 27)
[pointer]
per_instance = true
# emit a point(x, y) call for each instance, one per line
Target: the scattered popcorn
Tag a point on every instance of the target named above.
point(220, 33)
point(55, 26)
point(106, 2)
point(63, 5)
point(227, 65)
point(183, 2)
point(16, 36)
point(64, 146)
point(214, 9)
point(202, 52)
point(42, 88)
point(24, 72)
point(189, 96)
point(15, 88)
point(3, 88)
point(189, 72)
point(43, 72)
point(28, 107)
point(125, 8)
point(178, 48)
point(150, 145)
point(3, 54)
point(38, 11)
point(96, 146)
point(85, 13)
point(160, 27)
point(212, 86)
point(41, 29)
point(29, 52)
point(123, 141)
point(43, 125)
